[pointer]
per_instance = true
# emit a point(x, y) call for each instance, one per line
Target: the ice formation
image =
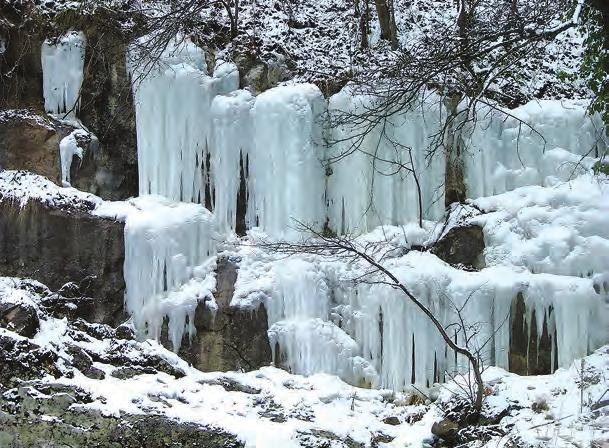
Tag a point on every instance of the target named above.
point(202, 140)
point(198, 137)
point(231, 143)
point(169, 261)
point(62, 73)
point(286, 175)
point(509, 148)
point(172, 101)
point(68, 148)
point(366, 187)
point(321, 320)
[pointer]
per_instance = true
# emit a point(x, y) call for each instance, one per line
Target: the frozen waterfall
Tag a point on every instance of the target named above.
point(169, 260)
point(511, 148)
point(374, 177)
point(63, 63)
point(267, 160)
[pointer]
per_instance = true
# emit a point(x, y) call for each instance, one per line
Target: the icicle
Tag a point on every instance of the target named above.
point(62, 73)
point(365, 187)
point(169, 262)
point(232, 140)
point(68, 148)
point(173, 99)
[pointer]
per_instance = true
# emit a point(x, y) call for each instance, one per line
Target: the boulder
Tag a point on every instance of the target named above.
point(446, 430)
point(22, 360)
point(461, 246)
point(21, 318)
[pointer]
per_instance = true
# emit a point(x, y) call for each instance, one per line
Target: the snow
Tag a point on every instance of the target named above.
point(23, 186)
point(62, 68)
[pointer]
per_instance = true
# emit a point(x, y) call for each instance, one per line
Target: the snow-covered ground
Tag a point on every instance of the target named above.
point(270, 407)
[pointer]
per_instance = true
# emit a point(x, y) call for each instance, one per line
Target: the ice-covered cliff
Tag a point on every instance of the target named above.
point(204, 142)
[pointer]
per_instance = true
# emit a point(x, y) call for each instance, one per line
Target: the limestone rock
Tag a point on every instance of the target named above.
point(232, 339)
point(445, 429)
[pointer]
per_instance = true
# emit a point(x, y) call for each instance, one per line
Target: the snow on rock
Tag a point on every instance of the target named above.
point(23, 186)
point(62, 69)
point(169, 250)
point(269, 407)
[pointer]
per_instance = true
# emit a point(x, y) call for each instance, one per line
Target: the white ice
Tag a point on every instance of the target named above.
point(62, 73)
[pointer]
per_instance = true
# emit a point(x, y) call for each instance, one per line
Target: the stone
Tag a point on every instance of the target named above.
point(461, 246)
point(392, 420)
point(445, 429)
point(41, 416)
point(233, 338)
point(20, 318)
point(60, 245)
point(22, 360)
point(124, 331)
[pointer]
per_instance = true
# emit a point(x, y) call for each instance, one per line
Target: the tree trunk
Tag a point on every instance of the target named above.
point(394, 27)
point(363, 24)
point(382, 11)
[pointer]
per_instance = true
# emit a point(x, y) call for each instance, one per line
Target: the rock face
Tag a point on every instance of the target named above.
point(106, 105)
point(107, 110)
point(31, 142)
point(56, 246)
point(530, 347)
point(232, 339)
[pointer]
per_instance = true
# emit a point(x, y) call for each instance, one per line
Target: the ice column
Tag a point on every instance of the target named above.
point(286, 176)
point(169, 261)
point(62, 72)
point(172, 100)
point(231, 144)
point(367, 187)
